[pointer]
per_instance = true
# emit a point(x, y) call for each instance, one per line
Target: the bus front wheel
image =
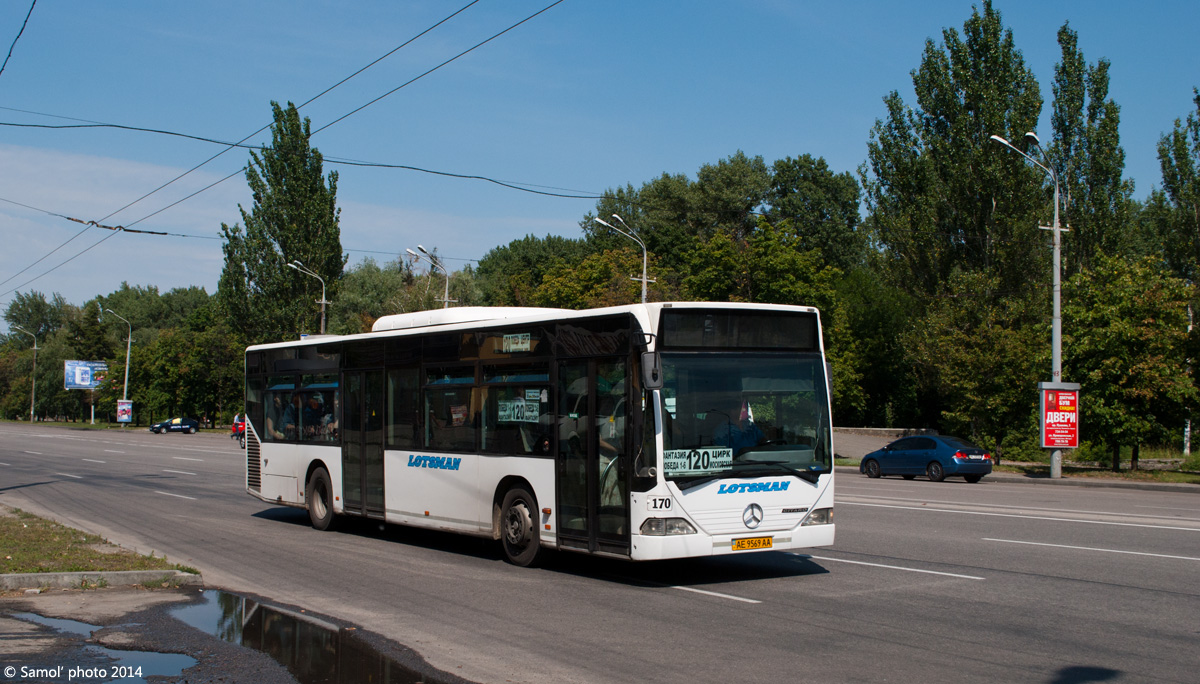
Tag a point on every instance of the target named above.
point(320, 500)
point(518, 531)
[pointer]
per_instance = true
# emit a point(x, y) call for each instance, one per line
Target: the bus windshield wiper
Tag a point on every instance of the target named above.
point(802, 474)
point(690, 484)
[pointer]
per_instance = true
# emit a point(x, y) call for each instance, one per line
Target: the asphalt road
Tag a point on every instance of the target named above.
point(950, 582)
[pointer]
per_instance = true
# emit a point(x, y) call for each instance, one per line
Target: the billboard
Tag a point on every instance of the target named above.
point(124, 411)
point(83, 374)
point(1059, 415)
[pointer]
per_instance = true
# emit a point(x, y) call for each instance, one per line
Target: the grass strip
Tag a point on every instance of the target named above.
point(32, 544)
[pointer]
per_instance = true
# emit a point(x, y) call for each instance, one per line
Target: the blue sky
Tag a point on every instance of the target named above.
point(588, 96)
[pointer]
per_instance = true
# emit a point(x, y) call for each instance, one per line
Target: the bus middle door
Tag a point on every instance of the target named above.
point(362, 443)
point(592, 460)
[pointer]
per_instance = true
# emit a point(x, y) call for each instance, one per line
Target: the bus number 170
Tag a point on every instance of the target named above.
point(658, 503)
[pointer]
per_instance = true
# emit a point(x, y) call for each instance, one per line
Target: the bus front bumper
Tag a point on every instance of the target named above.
point(647, 547)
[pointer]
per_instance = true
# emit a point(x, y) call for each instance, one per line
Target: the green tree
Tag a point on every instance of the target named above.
point(673, 214)
point(1088, 159)
point(294, 218)
point(943, 198)
point(600, 279)
point(1126, 340)
point(822, 207)
point(978, 361)
point(369, 291)
point(509, 275)
point(1179, 157)
point(32, 311)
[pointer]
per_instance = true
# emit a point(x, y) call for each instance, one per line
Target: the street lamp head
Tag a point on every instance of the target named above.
point(423, 250)
point(410, 252)
point(1031, 137)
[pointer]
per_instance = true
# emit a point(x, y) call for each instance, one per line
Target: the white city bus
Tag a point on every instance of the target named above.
point(644, 432)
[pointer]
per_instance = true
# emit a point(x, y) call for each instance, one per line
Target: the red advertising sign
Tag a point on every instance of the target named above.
point(1060, 417)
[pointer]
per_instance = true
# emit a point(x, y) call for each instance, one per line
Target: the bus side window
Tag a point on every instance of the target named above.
point(403, 430)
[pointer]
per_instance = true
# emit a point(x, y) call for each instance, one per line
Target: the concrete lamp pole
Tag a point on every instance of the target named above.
point(1056, 321)
point(628, 232)
point(128, 344)
point(306, 271)
point(33, 375)
point(433, 262)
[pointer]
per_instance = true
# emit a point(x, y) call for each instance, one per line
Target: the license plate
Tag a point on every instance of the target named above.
point(752, 543)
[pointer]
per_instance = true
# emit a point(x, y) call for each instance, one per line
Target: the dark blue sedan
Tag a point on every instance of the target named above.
point(936, 456)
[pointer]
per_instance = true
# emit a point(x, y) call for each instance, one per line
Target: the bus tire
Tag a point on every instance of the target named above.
point(518, 529)
point(319, 494)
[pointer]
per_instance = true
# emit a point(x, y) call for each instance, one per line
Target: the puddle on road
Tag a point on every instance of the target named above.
point(147, 663)
point(314, 651)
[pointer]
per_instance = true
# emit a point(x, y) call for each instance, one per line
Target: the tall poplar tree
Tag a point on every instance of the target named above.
point(294, 218)
point(943, 197)
point(1087, 156)
point(1179, 157)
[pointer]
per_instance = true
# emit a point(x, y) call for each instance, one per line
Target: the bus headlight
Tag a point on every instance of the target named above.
point(658, 527)
point(820, 516)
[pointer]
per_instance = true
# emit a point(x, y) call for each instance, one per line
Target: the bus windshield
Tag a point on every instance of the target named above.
point(744, 414)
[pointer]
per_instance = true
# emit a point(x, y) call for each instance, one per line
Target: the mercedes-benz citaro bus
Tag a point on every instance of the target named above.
point(649, 431)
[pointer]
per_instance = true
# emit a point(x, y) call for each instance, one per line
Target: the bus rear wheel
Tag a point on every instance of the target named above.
point(320, 500)
point(518, 532)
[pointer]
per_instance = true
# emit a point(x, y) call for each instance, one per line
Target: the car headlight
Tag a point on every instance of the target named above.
point(820, 516)
point(659, 527)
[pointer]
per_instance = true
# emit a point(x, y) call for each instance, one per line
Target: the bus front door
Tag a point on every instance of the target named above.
point(592, 460)
point(362, 443)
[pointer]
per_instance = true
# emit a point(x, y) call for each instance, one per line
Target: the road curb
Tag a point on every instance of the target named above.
point(93, 580)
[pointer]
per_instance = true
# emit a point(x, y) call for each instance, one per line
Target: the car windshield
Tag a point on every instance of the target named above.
point(744, 415)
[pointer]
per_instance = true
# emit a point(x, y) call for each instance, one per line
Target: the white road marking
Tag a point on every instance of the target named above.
point(92, 460)
point(889, 567)
point(6, 464)
point(716, 594)
point(35, 453)
point(731, 597)
point(113, 451)
point(1171, 508)
point(181, 472)
point(77, 477)
point(185, 458)
point(191, 498)
point(1026, 517)
point(1027, 508)
point(1092, 548)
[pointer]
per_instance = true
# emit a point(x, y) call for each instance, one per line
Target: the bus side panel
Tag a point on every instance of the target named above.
point(285, 466)
point(538, 472)
point(438, 491)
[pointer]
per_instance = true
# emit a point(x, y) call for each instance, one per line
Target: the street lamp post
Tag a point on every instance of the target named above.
point(309, 272)
point(435, 263)
point(1056, 320)
point(628, 232)
point(128, 344)
point(33, 375)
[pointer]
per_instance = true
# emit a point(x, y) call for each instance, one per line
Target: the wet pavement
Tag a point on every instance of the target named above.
point(186, 635)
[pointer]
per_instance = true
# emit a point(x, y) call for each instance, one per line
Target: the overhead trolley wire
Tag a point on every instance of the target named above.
point(260, 130)
point(14, 43)
point(461, 54)
point(124, 229)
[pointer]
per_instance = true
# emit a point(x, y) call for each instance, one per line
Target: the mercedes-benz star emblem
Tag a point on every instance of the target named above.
point(752, 516)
